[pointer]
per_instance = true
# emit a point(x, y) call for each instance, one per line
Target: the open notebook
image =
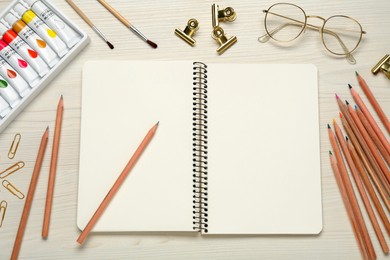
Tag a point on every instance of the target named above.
point(236, 151)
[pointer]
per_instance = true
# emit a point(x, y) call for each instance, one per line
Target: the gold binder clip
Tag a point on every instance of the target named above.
point(3, 209)
point(383, 65)
point(14, 146)
point(191, 28)
point(228, 14)
point(11, 188)
point(13, 168)
point(219, 35)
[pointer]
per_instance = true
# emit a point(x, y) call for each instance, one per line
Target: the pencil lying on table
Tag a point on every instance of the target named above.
point(117, 184)
point(30, 195)
point(373, 102)
point(127, 23)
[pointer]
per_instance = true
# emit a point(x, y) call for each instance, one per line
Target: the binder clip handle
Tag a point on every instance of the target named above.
point(383, 65)
point(228, 14)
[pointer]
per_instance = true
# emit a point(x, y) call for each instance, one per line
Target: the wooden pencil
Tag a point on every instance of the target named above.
point(370, 119)
point(30, 195)
point(351, 195)
point(360, 187)
point(348, 208)
point(373, 102)
point(117, 184)
point(378, 183)
point(53, 168)
point(369, 143)
point(362, 143)
point(369, 187)
point(373, 135)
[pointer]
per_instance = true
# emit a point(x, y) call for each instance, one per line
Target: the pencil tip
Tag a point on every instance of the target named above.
point(158, 122)
point(346, 138)
point(47, 128)
point(151, 44)
point(341, 115)
point(110, 45)
point(62, 97)
point(337, 96)
point(349, 85)
point(356, 107)
point(346, 102)
point(328, 126)
point(357, 74)
point(330, 152)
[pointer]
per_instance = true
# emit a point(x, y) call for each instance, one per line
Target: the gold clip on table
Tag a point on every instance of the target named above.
point(3, 209)
point(191, 28)
point(14, 146)
point(383, 65)
point(228, 14)
point(225, 43)
point(13, 168)
point(11, 188)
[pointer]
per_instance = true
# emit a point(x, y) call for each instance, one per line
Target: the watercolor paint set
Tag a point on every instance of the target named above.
point(36, 43)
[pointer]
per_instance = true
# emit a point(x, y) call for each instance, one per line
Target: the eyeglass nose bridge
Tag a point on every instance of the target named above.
point(310, 26)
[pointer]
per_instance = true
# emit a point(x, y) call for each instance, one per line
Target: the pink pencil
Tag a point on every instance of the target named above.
point(370, 119)
point(373, 102)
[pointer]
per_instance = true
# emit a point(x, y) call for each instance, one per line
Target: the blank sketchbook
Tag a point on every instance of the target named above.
point(236, 151)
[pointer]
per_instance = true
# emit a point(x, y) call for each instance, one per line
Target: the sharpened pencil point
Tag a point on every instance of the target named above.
point(337, 96)
point(346, 138)
point(356, 107)
point(330, 152)
point(110, 45)
point(158, 122)
point(152, 44)
point(346, 102)
point(349, 85)
point(357, 74)
point(62, 96)
point(328, 126)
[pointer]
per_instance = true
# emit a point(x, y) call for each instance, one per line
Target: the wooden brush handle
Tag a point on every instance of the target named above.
point(81, 13)
point(115, 13)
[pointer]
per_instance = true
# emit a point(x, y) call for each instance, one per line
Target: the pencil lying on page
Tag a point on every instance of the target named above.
point(373, 102)
point(347, 206)
point(351, 195)
point(53, 168)
point(369, 117)
point(360, 187)
point(117, 184)
point(89, 22)
point(127, 23)
point(30, 195)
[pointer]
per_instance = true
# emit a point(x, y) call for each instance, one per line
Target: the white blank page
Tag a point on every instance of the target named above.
point(121, 101)
point(264, 154)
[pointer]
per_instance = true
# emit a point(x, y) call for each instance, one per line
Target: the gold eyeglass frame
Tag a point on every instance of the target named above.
point(269, 34)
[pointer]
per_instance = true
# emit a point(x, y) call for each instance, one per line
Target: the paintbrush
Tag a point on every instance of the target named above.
point(89, 22)
point(127, 23)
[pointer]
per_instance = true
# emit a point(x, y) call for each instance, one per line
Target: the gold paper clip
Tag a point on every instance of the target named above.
point(3, 209)
point(11, 188)
point(219, 35)
point(13, 168)
point(383, 65)
point(14, 146)
point(191, 28)
point(228, 14)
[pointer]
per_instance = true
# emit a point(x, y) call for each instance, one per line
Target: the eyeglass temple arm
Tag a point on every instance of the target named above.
point(266, 37)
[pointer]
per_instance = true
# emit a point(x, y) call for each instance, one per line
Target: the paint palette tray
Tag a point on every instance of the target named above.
point(45, 16)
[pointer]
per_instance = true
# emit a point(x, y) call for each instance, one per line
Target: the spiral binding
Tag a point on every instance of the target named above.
point(200, 211)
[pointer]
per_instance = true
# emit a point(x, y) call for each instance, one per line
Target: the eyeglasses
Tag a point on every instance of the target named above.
point(340, 34)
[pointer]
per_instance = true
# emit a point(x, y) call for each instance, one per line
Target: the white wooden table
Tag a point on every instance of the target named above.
point(157, 20)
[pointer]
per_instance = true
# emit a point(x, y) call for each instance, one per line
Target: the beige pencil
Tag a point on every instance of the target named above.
point(30, 195)
point(351, 195)
point(53, 168)
point(360, 187)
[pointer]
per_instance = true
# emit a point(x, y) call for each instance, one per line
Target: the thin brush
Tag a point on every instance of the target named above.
point(127, 23)
point(89, 22)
